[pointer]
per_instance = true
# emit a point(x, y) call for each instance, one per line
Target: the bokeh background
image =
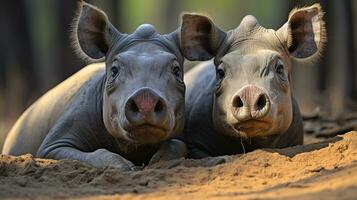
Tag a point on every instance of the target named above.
point(35, 50)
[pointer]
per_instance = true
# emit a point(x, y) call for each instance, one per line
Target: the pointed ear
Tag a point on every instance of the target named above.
point(200, 38)
point(172, 41)
point(93, 34)
point(304, 33)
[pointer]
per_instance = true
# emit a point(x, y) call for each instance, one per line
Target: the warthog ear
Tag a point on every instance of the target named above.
point(92, 32)
point(200, 38)
point(304, 33)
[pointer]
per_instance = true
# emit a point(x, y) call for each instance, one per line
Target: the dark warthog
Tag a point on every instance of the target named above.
point(124, 112)
point(243, 100)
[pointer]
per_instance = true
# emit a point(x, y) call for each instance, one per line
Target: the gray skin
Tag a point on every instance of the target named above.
point(122, 113)
point(243, 100)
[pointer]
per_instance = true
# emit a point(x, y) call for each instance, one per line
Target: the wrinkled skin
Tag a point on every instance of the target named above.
point(127, 111)
point(243, 100)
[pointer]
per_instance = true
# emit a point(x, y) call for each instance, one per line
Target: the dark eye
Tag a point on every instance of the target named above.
point(220, 73)
point(279, 69)
point(114, 71)
point(176, 71)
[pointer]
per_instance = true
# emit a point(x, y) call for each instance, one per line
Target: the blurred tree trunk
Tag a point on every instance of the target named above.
point(44, 31)
point(341, 78)
point(18, 73)
point(354, 50)
point(2, 83)
point(69, 62)
point(331, 83)
point(2, 67)
point(171, 15)
point(352, 67)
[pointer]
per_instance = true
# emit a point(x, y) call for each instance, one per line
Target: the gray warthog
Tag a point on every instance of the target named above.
point(121, 113)
point(243, 100)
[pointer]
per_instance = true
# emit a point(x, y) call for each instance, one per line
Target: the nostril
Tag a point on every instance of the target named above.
point(237, 102)
point(261, 102)
point(159, 107)
point(133, 107)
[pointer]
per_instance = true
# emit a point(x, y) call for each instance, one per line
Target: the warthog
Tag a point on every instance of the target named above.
point(121, 113)
point(243, 100)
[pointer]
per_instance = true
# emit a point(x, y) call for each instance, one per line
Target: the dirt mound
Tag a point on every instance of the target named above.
point(326, 170)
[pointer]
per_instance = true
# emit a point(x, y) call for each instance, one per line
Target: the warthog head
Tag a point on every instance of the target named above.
point(143, 95)
point(253, 94)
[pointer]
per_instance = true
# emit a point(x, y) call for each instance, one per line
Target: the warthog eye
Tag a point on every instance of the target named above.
point(176, 71)
point(114, 71)
point(220, 73)
point(279, 69)
point(112, 75)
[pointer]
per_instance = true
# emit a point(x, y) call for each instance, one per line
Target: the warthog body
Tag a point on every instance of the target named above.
point(243, 100)
point(121, 113)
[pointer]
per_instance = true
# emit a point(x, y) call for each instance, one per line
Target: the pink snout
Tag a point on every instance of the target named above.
point(250, 102)
point(145, 106)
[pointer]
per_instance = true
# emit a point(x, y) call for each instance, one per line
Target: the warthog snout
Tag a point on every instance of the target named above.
point(145, 106)
point(250, 102)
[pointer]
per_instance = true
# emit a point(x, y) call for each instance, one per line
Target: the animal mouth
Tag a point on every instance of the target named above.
point(252, 128)
point(146, 133)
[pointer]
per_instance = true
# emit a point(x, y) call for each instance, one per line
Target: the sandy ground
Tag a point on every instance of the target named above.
point(324, 170)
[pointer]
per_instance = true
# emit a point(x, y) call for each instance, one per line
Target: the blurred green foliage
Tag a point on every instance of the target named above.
point(227, 13)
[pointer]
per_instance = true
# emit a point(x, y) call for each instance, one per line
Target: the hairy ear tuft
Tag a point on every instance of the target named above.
point(74, 38)
point(200, 38)
point(91, 33)
point(305, 33)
